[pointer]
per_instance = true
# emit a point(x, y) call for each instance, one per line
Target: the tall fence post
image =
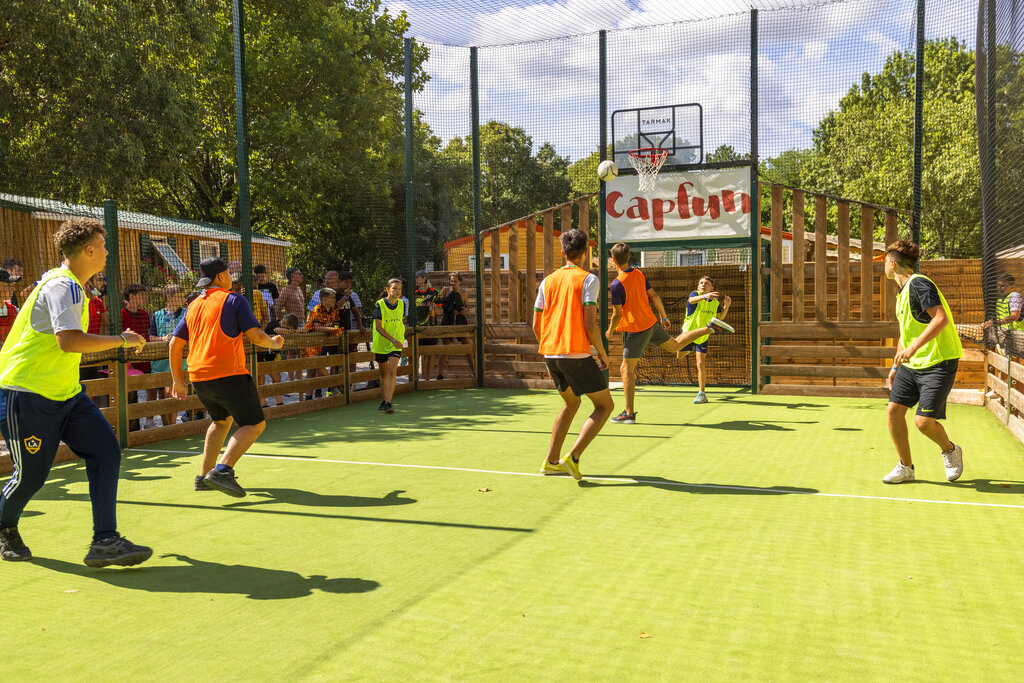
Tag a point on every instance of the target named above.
point(114, 286)
point(474, 88)
point(602, 265)
point(242, 139)
point(755, 216)
point(918, 122)
point(410, 265)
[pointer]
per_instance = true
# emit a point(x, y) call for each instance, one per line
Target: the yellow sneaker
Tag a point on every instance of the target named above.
point(571, 466)
point(551, 468)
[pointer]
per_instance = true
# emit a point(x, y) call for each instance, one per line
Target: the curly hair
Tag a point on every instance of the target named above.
point(76, 234)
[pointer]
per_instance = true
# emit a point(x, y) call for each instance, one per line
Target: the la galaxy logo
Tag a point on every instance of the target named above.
point(33, 444)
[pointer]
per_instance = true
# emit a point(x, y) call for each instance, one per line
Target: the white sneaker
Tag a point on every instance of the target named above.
point(954, 461)
point(899, 474)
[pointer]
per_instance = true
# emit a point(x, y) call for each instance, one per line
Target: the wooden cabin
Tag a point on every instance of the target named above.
point(460, 256)
point(171, 245)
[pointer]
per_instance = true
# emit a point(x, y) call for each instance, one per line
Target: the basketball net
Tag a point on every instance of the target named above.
point(647, 161)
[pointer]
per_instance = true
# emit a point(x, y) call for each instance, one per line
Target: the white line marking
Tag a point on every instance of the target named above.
point(650, 482)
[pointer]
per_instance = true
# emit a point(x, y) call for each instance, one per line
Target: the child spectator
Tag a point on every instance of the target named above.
point(268, 288)
point(389, 338)
point(453, 312)
point(284, 327)
point(8, 311)
point(135, 317)
point(323, 318)
point(161, 326)
point(96, 288)
point(428, 304)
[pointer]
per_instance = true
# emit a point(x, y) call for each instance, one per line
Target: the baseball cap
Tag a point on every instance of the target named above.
point(421, 273)
point(209, 268)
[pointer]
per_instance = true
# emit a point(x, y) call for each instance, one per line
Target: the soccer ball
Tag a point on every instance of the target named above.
point(607, 170)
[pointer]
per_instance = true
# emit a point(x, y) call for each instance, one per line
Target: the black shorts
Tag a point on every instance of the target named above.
point(928, 388)
point(579, 374)
point(702, 347)
point(235, 396)
point(383, 357)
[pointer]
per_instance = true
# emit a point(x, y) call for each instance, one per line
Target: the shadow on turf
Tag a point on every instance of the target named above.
point(687, 487)
point(313, 499)
point(198, 576)
point(739, 425)
point(981, 485)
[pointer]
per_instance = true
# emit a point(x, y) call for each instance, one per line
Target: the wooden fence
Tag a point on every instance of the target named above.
point(1004, 389)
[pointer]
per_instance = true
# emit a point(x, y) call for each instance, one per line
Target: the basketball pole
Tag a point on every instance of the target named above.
point(755, 215)
point(602, 264)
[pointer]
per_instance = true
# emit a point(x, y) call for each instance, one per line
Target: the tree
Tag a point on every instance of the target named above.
point(514, 181)
point(865, 149)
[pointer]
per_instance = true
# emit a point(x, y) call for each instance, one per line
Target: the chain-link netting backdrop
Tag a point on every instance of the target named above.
point(145, 114)
point(1000, 109)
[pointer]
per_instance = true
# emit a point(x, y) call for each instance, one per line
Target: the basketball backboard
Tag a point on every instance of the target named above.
point(679, 128)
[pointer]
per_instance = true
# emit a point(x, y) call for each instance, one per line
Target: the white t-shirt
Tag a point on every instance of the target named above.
point(591, 294)
point(58, 307)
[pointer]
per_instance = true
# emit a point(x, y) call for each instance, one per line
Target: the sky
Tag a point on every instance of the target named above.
point(538, 61)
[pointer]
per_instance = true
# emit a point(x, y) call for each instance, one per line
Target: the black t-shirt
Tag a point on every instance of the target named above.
point(270, 287)
point(452, 305)
point(923, 294)
point(345, 306)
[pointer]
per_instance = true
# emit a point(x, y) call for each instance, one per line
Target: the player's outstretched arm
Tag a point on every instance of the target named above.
point(261, 338)
point(175, 350)
point(77, 341)
point(594, 334)
point(614, 322)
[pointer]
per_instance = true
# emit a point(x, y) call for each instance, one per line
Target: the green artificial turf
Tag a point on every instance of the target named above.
point(421, 546)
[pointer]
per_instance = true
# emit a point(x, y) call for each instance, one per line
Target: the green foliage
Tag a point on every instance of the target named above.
point(865, 149)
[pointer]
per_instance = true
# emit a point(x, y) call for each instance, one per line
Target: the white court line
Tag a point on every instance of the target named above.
point(652, 482)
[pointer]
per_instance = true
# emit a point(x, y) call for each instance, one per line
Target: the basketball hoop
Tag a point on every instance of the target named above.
point(647, 161)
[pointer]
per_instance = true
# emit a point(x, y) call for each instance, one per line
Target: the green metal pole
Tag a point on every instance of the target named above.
point(474, 88)
point(990, 184)
point(114, 320)
point(755, 215)
point(602, 260)
point(410, 264)
point(242, 138)
point(918, 121)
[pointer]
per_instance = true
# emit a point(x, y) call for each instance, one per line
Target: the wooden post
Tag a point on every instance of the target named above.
point(776, 254)
point(514, 309)
point(843, 262)
point(531, 267)
point(549, 236)
point(867, 280)
point(496, 275)
point(584, 224)
point(798, 255)
point(820, 272)
point(889, 289)
point(565, 222)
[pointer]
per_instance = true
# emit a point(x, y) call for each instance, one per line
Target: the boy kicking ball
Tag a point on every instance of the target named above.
point(565, 322)
point(632, 296)
point(701, 308)
point(924, 368)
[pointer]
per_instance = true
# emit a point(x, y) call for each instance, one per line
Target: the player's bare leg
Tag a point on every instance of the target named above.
point(216, 433)
point(562, 423)
point(897, 418)
point(603, 407)
point(241, 440)
point(628, 373)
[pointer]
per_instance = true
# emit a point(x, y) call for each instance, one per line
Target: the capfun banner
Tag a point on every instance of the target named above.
point(683, 205)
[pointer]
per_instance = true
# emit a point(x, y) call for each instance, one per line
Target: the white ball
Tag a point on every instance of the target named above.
point(607, 170)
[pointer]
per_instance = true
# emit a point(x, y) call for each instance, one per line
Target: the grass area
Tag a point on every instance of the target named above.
point(749, 538)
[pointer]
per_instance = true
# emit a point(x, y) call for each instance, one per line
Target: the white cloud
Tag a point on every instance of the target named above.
point(815, 50)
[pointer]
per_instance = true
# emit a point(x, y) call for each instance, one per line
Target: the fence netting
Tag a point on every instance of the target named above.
point(1000, 106)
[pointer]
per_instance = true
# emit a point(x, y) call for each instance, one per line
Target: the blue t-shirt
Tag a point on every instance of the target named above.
point(235, 318)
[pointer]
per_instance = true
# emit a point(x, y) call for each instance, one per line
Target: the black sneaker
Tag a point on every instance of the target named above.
point(200, 484)
point(388, 408)
point(720, 326)
point(225, 483)
point(116, 550)
point(383, 405)
point(12, 548)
